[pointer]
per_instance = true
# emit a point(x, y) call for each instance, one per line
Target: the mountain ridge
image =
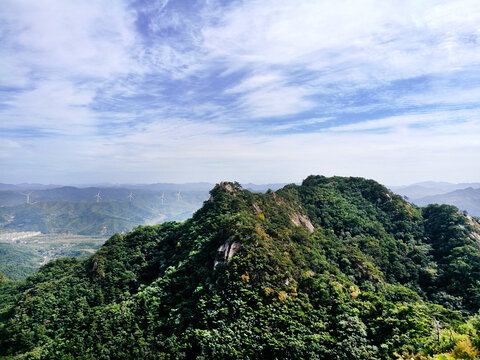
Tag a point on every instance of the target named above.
point(334, 268)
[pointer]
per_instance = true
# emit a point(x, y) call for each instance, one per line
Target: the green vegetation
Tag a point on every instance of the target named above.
point(18, 263)
point(22, 254)
point(337, 268)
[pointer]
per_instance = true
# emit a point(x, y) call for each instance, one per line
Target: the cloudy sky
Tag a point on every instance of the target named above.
point(253, 91)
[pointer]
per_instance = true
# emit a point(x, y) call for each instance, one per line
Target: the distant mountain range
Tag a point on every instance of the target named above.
point(75, 210)
point(465, 196)
point(428, 188)
point(100, 210)
point(70, 193)
point(26, 186)
point(465, 199)
point(196, 186)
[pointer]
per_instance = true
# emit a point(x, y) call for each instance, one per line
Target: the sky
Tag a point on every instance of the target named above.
point(250, 91)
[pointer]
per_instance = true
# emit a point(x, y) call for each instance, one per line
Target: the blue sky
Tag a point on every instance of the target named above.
point(253, 91)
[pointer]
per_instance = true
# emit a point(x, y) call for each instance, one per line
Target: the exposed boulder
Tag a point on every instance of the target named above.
point(302, 220)
point(257, 209)
point(226, 186)
point(226, 251)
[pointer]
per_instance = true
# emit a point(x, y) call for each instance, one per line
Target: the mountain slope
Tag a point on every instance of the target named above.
point(336, 268)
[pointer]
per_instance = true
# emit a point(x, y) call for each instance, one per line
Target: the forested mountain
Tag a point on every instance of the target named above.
point(336, 268)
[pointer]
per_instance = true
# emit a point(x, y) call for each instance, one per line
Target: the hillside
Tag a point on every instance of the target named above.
point(336, 268)
point(22, 253)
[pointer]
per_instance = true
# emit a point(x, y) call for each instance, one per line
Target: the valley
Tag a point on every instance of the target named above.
point(22, 253)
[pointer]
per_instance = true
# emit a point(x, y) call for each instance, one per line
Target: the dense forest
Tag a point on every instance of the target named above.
point(335, 268)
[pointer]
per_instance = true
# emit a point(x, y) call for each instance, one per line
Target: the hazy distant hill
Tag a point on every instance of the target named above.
point(200, 186)
point(70, 193)
point(428, 188)
point(69, 209)
point(11, 195)
point(26, 186)
point(75, 210)
point(466, 196)
point(465, 199)
point(74, 217)
point(264, 187)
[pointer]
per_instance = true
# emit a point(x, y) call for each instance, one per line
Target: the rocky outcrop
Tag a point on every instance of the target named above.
point(475, 235)
point(226, 251)
point(226, 186)
point(302, 220)
point(257, 209)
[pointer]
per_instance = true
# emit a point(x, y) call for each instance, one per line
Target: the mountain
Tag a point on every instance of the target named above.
point(26, 186)
point(69, 209)
point(104, 217)
point(465, 199)
point(72, 217)
point(264, 187)
point(465, 196)
point(429, 188)
point(18, 263)
point(11, 195)
point(201, 186)
point(336, 268)
point(88, 194)
point(74, 210)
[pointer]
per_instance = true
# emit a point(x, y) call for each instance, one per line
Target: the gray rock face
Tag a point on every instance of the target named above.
point(302, 220)
point(226, 251)
point(226, 186)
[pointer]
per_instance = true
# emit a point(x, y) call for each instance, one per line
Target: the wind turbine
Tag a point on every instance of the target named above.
point(131, 197)
point(28, 196)
point(98, 197)
point(162, 198)
point(179, 196)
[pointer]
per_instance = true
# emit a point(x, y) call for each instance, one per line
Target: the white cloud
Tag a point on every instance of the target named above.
point(275, 101)
point(180, 150)
point(325, 34)
point(268, 95)
point(255, 82)
point(300, 124)
point(428, 120)
point(53, 106)
point(75, 38)
point(59, 54)
point(349, 44)
point(288, 57)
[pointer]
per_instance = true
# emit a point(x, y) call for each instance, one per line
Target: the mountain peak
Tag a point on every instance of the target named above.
point(333, 268)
